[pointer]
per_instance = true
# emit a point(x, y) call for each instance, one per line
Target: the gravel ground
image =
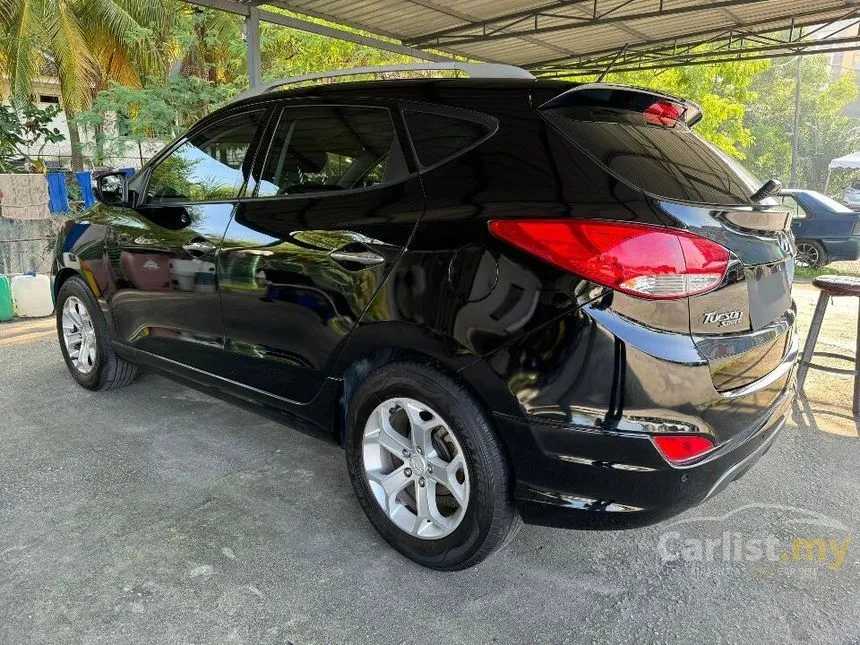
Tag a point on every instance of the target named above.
point(156, 514)
point(845, 267)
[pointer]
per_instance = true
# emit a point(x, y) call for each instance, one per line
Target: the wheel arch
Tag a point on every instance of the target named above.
point(62, 276)
point(378, 344)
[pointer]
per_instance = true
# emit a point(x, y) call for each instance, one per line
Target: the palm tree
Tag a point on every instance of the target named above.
point(90, 42)
point(211, 45)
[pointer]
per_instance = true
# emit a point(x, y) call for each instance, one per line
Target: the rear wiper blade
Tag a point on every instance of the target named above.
point(770, 188)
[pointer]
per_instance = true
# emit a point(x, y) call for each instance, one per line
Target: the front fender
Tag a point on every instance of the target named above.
point(81, 251)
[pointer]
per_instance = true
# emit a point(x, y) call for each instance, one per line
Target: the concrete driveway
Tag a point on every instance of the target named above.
point(156, 514)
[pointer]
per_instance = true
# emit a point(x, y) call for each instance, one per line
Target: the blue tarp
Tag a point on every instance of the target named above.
point(128, 171)
point(74, 232)
point(58, 194)
point(85, 180)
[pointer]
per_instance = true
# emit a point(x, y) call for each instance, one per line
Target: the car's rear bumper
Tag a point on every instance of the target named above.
point(576, 477)
point(842, 248)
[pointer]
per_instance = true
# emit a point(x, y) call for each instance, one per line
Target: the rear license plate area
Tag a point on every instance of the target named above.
point(769, 290)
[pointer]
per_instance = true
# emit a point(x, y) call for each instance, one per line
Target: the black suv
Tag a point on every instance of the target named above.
point(505, 298)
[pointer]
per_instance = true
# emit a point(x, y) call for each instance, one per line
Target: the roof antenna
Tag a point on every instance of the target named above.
point(618, 55)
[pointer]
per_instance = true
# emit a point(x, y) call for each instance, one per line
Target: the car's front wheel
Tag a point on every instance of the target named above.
point(427, 467)
point(85, 340)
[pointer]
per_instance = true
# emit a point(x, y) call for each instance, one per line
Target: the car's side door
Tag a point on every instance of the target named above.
point(164, 251)
point(804, 225)
point(337, 201)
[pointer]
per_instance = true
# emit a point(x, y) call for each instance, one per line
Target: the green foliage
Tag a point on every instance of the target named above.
point(173, 177)
point(723, 90)
point(123, 115)
point(87, 41)
point(749, 113)
point(290, 52)
point(209, 44)
point(809, 273)
point(22, 129)
point(824, 132)
point(153, 67)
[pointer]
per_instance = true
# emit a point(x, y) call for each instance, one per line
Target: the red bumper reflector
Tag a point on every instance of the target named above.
point(680, 448)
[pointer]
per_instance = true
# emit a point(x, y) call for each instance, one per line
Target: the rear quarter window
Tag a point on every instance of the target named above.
point(437, 137)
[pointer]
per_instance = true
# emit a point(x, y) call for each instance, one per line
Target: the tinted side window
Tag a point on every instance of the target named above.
point(437, 137)
point(213, 164)
point(332, 148)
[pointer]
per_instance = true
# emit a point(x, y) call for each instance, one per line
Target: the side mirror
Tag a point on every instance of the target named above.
point(111, 188)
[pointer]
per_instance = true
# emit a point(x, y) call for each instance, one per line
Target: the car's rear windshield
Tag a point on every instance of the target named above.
point(669, 162)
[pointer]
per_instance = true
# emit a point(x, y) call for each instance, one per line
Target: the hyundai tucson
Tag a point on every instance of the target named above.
point(507, 299)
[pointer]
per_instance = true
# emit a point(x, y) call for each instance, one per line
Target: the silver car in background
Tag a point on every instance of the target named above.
point(851, 195)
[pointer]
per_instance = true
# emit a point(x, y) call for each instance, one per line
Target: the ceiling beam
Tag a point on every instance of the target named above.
point(725, 44)
point(645, 61)
point(459, 15)
point(244, 9)
point(738, 56)
point(692, 38)
point(514, 15)
point(493, 30)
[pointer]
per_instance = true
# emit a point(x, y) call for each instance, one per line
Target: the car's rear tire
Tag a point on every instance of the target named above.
point(811, 254)
point(85, 340)
point(409, 428)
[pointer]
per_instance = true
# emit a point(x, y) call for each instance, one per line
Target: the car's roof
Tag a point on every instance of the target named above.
point(404, 88)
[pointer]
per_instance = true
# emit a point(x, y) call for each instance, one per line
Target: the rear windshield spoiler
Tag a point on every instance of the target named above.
point(624, 98)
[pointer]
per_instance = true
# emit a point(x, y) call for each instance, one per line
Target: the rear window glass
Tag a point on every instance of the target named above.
point(437, 137)
point(673, 163)
point(832, 204)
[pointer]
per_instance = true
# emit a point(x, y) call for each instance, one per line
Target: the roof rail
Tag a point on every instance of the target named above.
point(475, 70)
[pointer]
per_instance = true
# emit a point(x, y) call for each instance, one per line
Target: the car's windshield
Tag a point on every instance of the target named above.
point(831, 204)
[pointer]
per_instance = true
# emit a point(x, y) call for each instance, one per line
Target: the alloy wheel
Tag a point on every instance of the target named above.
point(808, 255)
point(79, 335)
point(416, 468)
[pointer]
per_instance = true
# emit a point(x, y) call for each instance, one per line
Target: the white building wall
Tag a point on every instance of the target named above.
point(46, 93)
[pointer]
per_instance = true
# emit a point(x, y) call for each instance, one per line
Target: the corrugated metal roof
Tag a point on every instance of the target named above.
point(534, 33)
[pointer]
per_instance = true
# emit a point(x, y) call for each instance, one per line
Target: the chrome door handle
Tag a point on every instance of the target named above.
point(364, 258)
point(199, 247)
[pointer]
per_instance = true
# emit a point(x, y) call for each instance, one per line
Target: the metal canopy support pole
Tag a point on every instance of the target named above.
point(252, 37)
point(795, 135)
